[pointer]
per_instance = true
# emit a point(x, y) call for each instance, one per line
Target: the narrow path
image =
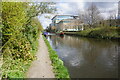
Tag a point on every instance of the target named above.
point(41, 68)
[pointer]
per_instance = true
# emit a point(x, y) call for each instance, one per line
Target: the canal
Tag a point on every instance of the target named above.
point(87, 57)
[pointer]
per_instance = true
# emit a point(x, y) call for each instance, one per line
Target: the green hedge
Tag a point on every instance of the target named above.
point(18, 54)
point(107, 32)
point(20, 31)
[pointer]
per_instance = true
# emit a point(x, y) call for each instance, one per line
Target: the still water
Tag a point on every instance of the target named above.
point(87, 57)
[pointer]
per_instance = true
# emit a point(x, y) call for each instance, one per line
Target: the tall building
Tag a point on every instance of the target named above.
point(66, 23)
point(56, 19)
point(70, 25)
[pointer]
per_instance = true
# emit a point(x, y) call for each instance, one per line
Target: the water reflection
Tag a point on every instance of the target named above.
point(87, 58)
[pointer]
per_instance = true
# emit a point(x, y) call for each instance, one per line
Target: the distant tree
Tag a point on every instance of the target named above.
point(112, 18)
point(92, 15)
point(81, 15)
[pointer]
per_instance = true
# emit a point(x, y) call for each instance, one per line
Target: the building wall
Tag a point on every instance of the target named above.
point(66, 23)
point(70, 25)
point(58, 18)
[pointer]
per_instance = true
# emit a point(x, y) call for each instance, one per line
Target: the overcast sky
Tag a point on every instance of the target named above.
point(73, 6)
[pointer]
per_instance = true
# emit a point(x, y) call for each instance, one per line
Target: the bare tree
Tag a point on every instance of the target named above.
point(92, 15)
point(112, 18)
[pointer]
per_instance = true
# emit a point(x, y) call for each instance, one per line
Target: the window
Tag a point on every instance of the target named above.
point(66, 21)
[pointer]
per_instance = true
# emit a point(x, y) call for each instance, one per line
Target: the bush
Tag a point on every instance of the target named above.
point(20, 30)
point(17, 56)
point(19, 40)
point(107, 32)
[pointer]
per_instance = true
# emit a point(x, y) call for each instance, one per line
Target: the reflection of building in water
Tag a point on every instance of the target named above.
point(90, 49)
point(84, 55)
point(67, 40)
point(54, 41)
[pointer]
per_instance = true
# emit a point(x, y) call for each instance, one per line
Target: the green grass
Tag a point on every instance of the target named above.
point(106, 33)
point(58, 66)
point(15, 68)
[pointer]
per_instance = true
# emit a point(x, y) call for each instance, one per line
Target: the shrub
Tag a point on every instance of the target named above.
point(109, 32)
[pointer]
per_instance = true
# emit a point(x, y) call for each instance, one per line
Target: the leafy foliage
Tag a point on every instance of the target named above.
point(108, 33)
point(13, 14)
point(13, 18)
point(20, 31)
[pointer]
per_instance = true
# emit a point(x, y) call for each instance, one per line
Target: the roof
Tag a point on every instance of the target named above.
point(63, 15)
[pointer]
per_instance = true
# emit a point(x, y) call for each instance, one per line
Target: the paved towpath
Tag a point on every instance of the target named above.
point(41, 68)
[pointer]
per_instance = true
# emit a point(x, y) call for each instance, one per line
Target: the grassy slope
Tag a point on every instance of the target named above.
point(108, 33)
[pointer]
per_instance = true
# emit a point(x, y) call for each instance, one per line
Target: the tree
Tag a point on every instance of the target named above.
point(92, 15)
point(112, 18)
point(15, 15)
point(35, 9)
point(20, 31)
point(13, 18)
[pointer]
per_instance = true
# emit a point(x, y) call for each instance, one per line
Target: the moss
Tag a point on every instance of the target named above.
point(59, 69)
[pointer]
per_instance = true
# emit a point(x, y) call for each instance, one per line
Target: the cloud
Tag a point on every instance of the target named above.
point(85, 0)
point(74, 7)
point(108, 8)
point(44, 20)
point(63, 8)
point(69, 8)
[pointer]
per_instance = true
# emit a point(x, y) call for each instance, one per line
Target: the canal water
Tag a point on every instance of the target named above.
point(87, 57)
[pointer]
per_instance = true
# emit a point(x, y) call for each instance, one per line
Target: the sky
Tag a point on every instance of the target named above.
point(74, 6)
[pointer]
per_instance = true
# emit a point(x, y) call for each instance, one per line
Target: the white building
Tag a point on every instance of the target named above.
point(67, 23)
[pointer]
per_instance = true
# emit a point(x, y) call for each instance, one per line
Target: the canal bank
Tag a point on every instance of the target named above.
point(104, 33)
point(59, 69)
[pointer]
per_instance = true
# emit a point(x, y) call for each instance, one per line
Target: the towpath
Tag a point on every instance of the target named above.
point(41, 68)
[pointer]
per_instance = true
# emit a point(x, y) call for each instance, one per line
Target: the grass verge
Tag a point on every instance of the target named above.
point(58, 66)
point(105, 33)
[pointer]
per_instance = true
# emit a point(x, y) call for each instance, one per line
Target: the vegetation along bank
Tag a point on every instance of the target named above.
point(20, 32)
point(19, 41)
point(105, 33)
point(58, 66)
